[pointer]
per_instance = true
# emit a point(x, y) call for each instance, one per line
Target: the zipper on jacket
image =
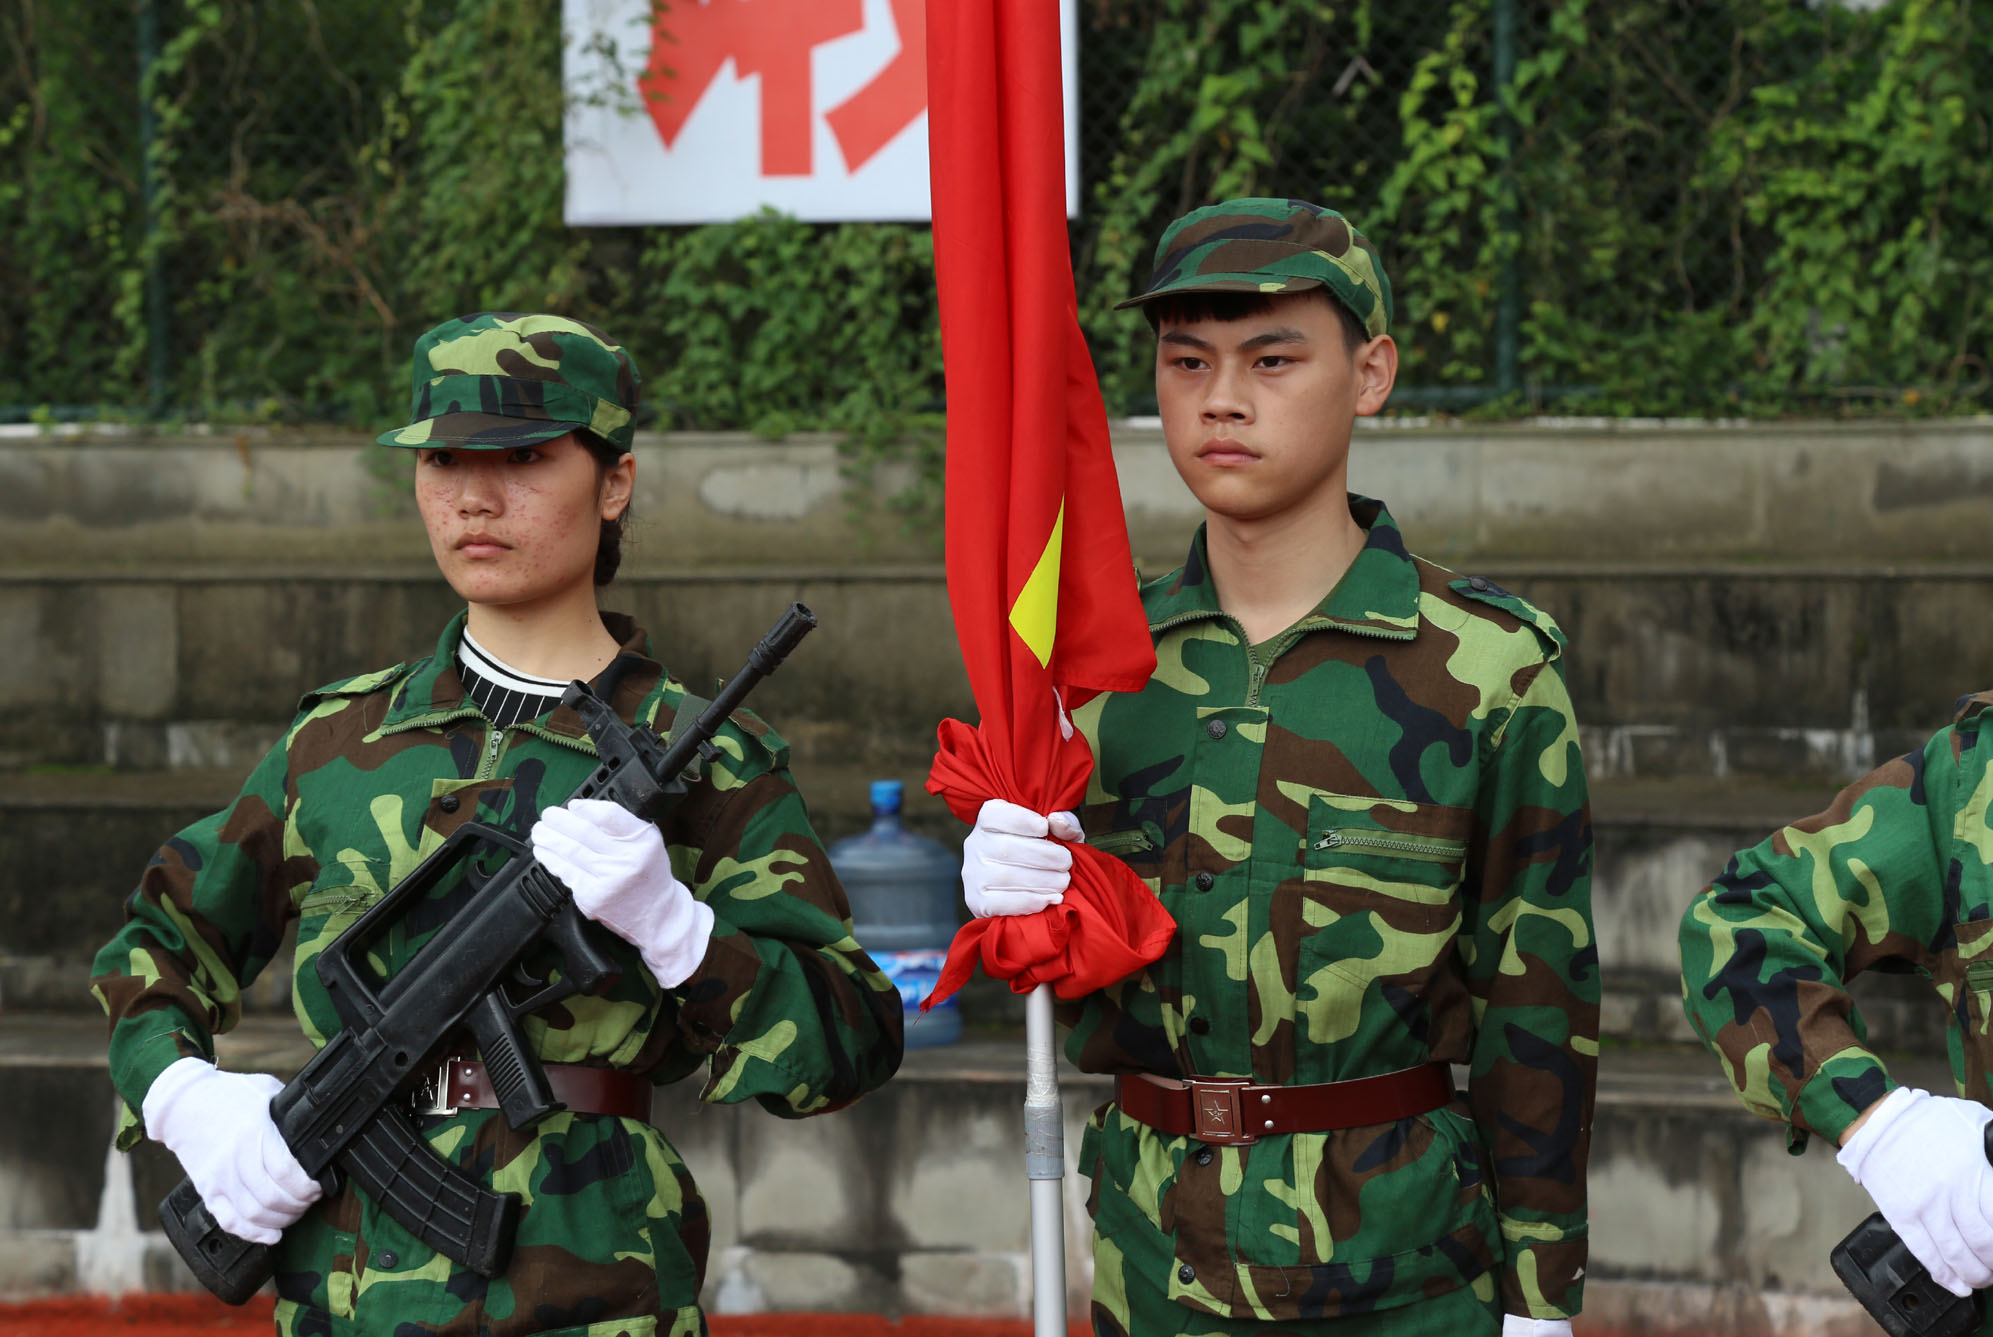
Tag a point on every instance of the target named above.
point(494, 747)
point(1257, 675)
point(434, 719)
point(582, 744)
point(1281, 646)
point(1315, 624)
point(1435, 849)
point(1179, 619)
point(1122, 842)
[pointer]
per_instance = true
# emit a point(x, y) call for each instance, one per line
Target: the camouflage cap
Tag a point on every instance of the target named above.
point(1271, 246)
point(498, 380)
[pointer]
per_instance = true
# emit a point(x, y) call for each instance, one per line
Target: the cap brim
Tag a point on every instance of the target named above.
point(477, 431)
point(1253, 283)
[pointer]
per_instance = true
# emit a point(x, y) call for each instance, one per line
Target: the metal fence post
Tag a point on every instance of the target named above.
point(158, 363)
point(1508, 301)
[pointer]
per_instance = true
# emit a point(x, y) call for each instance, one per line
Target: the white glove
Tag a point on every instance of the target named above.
point(1922, 1159)
point(1515, 1325)
point(218, 1124)
point(615, 864)
point(1009, 867)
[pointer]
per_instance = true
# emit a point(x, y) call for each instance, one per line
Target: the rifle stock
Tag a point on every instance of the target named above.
point(1879, 1270)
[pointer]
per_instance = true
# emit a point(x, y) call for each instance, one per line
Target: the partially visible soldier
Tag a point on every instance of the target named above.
point(735, 936)
point(1896, 874)
point(1355, 782)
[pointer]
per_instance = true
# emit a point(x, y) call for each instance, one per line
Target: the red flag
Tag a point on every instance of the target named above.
point(1039, 573)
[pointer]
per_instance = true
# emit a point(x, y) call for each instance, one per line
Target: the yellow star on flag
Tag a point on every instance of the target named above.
point(1035, 615)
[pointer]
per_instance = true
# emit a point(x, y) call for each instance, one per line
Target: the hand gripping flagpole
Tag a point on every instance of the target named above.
point(1045, 1165)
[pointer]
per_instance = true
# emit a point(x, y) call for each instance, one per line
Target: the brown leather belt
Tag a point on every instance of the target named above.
point(461, 1083)
point(1233, 1112)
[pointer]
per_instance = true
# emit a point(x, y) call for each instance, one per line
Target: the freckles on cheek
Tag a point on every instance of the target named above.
point(532, 547)
point(435, 515)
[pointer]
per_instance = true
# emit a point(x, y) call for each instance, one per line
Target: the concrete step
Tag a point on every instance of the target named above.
point(913, 1200)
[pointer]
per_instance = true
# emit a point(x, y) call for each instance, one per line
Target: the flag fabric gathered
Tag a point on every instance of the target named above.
point(1040, 578)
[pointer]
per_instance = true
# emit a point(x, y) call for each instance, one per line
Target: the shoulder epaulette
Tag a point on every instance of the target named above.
point(674, 703)
point(1483, 590)
point(356, 686)
point(757, 728)
point(1967, 709)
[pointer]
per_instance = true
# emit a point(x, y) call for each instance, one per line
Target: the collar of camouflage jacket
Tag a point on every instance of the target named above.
point(431, 691)
point(1377, 596)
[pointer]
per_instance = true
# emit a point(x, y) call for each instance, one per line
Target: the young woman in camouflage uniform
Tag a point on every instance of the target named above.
point(738, 952)
point(1354, 780)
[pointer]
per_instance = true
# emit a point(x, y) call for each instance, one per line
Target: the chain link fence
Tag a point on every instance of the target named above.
point(1647, 206)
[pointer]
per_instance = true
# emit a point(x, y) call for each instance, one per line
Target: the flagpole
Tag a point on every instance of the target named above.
point(1045, 1166)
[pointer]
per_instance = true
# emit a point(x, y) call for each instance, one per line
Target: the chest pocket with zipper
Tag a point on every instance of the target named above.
point(1115, 828)
point(1386, 847)
point(1379, 901)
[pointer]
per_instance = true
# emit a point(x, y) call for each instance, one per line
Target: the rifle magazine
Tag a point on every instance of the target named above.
point(432, 1199)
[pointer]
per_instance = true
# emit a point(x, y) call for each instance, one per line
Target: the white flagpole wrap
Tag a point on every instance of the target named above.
point(1045, 1165)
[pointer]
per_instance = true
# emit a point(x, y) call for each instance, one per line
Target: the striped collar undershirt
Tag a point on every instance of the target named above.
point(503, 693)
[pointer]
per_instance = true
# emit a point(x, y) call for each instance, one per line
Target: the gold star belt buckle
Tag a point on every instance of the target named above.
point(1215, 1114)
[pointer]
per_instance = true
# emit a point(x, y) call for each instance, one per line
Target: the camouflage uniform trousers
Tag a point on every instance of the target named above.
point(1121, 1310)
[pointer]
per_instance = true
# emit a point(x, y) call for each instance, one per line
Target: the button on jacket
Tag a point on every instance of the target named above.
point(371, 777)
point(1373, 834)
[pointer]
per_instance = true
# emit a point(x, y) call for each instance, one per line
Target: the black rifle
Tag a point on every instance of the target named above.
point(1879, 1270)
point(348, 1110)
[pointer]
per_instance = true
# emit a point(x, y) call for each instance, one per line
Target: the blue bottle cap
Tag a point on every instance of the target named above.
point(886, 795)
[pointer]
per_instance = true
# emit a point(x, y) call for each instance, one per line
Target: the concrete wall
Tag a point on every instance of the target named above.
point(1747, 601)
point(1628, 491)
point(118, 500)
point(1708, 671)
point(201, 667)
point(1579, 491)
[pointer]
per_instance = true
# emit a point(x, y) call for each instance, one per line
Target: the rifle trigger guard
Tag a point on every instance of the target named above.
point(549, 993)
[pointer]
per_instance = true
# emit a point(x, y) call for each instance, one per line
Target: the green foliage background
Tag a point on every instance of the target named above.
point(1710, 206)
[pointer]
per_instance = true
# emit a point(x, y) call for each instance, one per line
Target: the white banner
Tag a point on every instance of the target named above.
point(815, 108)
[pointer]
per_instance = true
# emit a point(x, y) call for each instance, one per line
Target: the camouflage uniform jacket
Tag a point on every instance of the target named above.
point(1897, 873)
point(1378, 852)
point(370, 778)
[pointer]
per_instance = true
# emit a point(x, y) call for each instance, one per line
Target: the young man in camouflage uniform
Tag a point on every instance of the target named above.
point(1354, 780)
point(1896, 874)
point(734, 934)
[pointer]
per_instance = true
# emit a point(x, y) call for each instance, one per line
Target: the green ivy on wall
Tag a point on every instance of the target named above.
point(1772, 209)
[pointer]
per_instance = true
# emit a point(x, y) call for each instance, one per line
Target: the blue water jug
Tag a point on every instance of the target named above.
point(904, 889)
